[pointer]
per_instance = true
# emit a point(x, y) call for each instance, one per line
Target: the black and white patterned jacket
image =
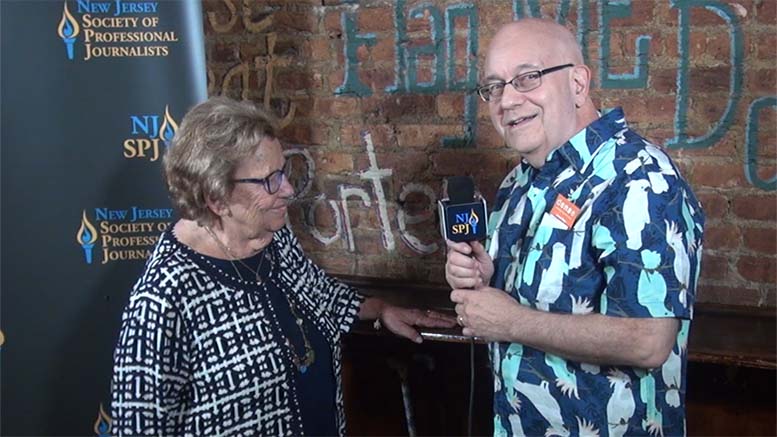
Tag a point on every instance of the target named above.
point(198, 354)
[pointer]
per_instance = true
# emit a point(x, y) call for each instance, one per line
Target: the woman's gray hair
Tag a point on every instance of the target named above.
point(213, 138)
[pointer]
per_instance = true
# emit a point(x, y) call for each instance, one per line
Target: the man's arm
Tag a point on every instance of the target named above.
point(589, 338)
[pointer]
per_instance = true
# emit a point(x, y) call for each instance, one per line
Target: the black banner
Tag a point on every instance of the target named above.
point(92, 92)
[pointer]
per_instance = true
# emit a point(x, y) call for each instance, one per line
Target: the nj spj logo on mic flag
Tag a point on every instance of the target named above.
point(465, 222)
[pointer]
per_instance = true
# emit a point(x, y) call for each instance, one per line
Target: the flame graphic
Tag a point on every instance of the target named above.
point(68, 26)
point(102, 426)
point(473, 218)
point(86, 234)
point(169, 127)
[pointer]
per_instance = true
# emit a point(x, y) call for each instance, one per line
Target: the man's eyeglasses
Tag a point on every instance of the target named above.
point(272, 183)
point(524, 82)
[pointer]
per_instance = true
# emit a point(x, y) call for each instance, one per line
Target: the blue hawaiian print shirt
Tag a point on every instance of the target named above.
point(633, 251)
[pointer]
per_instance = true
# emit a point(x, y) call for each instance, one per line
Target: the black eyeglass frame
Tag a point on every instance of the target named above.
point(284, 173)
point(483, 89)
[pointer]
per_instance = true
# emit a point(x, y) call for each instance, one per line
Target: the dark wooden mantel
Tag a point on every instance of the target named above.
point(727, 335)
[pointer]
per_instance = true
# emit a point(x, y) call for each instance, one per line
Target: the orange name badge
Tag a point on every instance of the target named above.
point(564, 210)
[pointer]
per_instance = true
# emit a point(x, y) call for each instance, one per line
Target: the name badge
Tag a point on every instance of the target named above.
point(564, 210)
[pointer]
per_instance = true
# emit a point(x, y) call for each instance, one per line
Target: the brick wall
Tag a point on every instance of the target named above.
point(695, 76)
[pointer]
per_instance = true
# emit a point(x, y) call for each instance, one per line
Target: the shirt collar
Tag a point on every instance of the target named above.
point(579, 150)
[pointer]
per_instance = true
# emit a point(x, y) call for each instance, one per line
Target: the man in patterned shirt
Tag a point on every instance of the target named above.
point(587, 284)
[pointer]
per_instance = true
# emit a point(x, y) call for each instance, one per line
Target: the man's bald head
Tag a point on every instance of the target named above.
point(558, 43)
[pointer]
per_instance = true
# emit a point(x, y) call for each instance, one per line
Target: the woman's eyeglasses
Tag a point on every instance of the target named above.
point(272, 183)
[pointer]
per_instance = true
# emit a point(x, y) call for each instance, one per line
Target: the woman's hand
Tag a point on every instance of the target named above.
point(401, 321)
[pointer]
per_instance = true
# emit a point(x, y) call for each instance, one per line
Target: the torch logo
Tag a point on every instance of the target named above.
point(68, 30)
point(86, 237)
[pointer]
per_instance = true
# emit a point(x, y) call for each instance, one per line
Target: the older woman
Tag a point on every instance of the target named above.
point(231, 329)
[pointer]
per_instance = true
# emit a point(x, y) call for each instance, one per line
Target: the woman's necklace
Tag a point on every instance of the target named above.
point(233, 258)
point(309, 357)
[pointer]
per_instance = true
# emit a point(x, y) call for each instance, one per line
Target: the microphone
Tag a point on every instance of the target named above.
point(462, 217)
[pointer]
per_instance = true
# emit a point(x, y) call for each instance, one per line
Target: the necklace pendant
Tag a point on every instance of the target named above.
point(303, 368)
point(259, 280)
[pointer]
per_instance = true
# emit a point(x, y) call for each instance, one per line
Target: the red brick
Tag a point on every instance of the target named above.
point(493, 17)
point(220, 19)
point(714, 267)
point(715, 206)
point(335, 79)
point(397, 107)
point(623, 49)
point(332, 23)
point(303, 133)
point(758, 268)
point(418, 25)
point(450, 105)
point(729, 146)
point(383, 50)
point(382, 136)
point(303, 106)
point(337, 107)
point(375, 19)
point(761, 239)
point(732, 295)
point(721, 237)
point(767, 133)
point(488, 138)
point(766, 172)
point(718, 175)
point(377, 78)
point(295, 47)
point(761, 81)
point(756, 207)
point(658, 109)
point(709, 79)
point(642, 13)
point(704, 17)
point(224, 52)
point(286, 21)
point(252, 49)
point(407, 166)
point(424, 135)
point(368, 241)
point(663, 81)
point(293, 80)
point(707, 111)
point(424, 72)
point(766, 12)
point(325, 217)
point(332, 163)
point(320, 49)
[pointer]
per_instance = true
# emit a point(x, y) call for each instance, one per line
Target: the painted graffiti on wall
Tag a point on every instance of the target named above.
point(340, 207)
point(426, 62)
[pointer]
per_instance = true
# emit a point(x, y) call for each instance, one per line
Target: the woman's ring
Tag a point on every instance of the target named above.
point(460, 320)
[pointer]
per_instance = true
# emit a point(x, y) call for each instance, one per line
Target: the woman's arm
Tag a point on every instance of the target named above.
point(400, 320)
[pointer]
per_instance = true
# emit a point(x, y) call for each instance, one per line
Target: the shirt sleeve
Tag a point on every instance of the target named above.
point(151, 369)
point(649, 242)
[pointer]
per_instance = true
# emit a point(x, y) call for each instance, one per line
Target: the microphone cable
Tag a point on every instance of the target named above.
point(471, 385)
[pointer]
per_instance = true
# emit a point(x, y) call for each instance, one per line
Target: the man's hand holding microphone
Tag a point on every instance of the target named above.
point(481, 310)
